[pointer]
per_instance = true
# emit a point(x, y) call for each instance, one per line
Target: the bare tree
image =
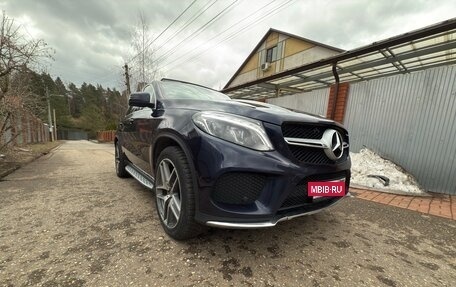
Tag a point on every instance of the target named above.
point(17, 54)
point(17, 51)
point(144, 68)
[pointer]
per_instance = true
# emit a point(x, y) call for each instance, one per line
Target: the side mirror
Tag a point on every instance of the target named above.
point(140, 100)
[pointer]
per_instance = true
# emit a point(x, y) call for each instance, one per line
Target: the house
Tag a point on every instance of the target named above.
point(279, 51)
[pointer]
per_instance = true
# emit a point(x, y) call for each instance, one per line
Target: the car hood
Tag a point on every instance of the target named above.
point(263, 112)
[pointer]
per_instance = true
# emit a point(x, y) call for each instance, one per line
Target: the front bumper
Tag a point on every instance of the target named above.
point(273, 222)
point(280, 178)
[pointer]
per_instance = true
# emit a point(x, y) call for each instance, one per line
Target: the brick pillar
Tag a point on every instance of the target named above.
point(341, 102)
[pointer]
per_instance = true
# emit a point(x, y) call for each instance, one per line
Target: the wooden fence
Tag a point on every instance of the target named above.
point(106, 136)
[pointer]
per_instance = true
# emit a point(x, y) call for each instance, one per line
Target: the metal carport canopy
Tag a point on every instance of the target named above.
point(428, 47)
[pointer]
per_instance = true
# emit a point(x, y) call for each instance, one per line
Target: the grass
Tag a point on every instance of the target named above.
point(44, 147)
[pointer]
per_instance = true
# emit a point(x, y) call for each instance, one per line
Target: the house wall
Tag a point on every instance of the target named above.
point(307, 56)
point(291, 53)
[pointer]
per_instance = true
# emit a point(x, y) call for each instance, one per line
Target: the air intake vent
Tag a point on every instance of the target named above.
point(239, 188)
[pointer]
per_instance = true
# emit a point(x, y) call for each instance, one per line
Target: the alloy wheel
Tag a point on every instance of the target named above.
point(117, 157)
point(168, 193)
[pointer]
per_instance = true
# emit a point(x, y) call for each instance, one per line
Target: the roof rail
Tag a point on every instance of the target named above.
point(174, 80)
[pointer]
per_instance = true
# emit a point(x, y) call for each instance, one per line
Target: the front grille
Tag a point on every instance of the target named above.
point(305, 154)
point(310, 155)
point(327, 176)
point(238, 188)
point(298, 197)
point(302, 131)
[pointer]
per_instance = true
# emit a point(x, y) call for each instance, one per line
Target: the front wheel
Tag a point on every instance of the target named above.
point(175, 194)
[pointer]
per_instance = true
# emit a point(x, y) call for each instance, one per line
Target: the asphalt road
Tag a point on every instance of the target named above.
point(67, 220)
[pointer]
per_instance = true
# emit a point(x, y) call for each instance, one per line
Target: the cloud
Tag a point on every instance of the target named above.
point(92, 38)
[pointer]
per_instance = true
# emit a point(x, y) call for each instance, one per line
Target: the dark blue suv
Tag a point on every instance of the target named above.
point(214, 161)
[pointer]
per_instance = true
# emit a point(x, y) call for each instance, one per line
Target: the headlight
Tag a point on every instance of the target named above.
point(236, 129)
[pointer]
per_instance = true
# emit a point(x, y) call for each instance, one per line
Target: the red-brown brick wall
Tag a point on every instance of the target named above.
point(340, 104)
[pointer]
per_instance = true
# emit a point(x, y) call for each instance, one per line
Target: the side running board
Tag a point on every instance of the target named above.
point(139, 176)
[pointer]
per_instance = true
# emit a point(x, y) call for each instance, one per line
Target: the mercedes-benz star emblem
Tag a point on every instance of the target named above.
point(334, 144)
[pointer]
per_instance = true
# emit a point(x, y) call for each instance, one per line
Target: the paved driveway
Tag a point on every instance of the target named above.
point(67, 220)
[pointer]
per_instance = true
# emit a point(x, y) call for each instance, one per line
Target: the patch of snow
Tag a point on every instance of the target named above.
point(366, 162)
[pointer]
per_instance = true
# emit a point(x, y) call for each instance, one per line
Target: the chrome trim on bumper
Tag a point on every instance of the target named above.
point(253, 225)
point(233, 225)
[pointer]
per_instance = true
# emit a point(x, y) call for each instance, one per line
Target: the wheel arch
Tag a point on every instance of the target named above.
point(166, 139)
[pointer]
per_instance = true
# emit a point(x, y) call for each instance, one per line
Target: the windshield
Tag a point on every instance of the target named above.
point(178, 90)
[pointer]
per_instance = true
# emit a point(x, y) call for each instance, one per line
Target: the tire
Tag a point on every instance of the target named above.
point(120, 162)
point(175, 195)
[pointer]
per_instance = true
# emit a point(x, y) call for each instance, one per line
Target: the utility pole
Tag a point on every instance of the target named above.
point(55, 125)
point(49, 114)
point(127, 80)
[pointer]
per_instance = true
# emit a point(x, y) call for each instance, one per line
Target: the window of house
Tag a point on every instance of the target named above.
point(271, 54)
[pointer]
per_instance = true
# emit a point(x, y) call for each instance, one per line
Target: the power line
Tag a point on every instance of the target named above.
point(189, 22)
point(186, 24)
point(202, 28)
point(156, 38)
point(198, 31)
point(232, 35)
point(220, 34)
point(174, 21)
point(235, 33)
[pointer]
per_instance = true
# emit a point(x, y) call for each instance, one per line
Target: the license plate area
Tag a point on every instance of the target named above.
point(329, 188)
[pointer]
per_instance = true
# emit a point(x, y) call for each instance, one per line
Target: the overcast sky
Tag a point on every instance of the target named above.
point(92, 39)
